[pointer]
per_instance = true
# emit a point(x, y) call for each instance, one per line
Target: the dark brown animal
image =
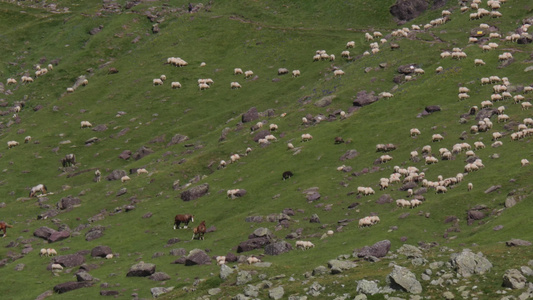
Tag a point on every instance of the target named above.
point(178, 219)
point(199, 231)
point(339, 140)
point(4, 226)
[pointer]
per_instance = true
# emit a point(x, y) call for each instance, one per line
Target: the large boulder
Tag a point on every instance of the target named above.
point(486, 113)
point(379, 249)
point(94, 233)
point(197, 257)
point(101, 251)
point(116, 175)
point(517, 242)
point(142, 152)
point(159, 276)
point(277, 248)
point(71, 285)
point(410, 251)
point(352, 153)
point(68, 202)
point(363, 98)
point(250, 115)
point(253, 243)
point(195, 192)
point(178, 138)
point(43, 232)
point(514, 279)
point(402, 279)
point(141, 269)
point(69, 261)
point(406, 10)
point(467, 263)
point(58, 236)
point(367, 287)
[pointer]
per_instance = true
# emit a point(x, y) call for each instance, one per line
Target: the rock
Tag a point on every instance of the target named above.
point(251, 291)
point(528, 69)
point(432, 108)
point(225, 272)
point(410, 251)
point(349, 155)
point(250, 115)
point(95, 30)
point(512, 200)
point(68, 202)
point(493, 188)
point(142, 152)
point(406, 10)
point(19, 267)
point(486, 113)
point(58, 236)
point(158, 291)
point(101, 251)
point(70, 286)
point(514, 279)
point(517, 242)
point(178, 138)
point(320, 270)
point(277, 248)
point(341, 264)
point(402, 279)
point(314, 219)
point(45, 294)
point(116, 175)
point(325, 101)
point(467, 263)
point(243, 277)
point(141, 269)
point(363, 98)
point(109, 293)
point(83, 276)
point(276, 293)
point(71, 260)
point(385, 199)
point(367, 287)
point(159, 276)
point(253, 243)
point(496, 228)
point(261, 232)
point(214, 291)
point(195, 192)
point(526, 270)
point(406, 69)
point(125, 155)
point(197, 257)
point(448, 295)
point(43, 232)
point(379, 249)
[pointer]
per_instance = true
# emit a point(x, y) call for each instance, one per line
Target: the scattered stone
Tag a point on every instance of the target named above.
point(141, 269)
point(517, 242)
point(83, 276)
point(225, 272)
point(276, 293)
point(410, 251)
point(402, 279)
point(70, 286)
point(367, 287)
point(379, 249)
point(159, 276)
point(197, 257)
point(195, 192)
point(243, 277)
point(514, 279)
point(158, 291)
point(71, 260)
point(467, 263)
point(278, 248)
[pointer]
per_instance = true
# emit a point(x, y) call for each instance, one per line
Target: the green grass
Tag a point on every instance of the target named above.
point(261, 36)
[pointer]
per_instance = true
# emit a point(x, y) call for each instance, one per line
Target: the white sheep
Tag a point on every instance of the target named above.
point(273, 127)
point(503, 118)
point(11, 144)
point(70, 90)
point(304, 245)
point(248, 74)
point(387, 95)
point(203, 64)
point(221, 260)
point(84, 82)
point(525, 105)
point(175, 85)
point(470, 186)
point(439, 69)
point(237, 71)
point(414, 131)
point(235, 85)
point(306, 137)
point(142, 171)
point(85, 124)
point(203, 86)
point(222, 164)
point(51, 252)
point(415, 203)
point(338, 73)
point(234, 158)
point(295, 73)
point(403, 203)
point(518, 98)
point(486, 103)
point(109, 256)
point(290, 146)
point(478, 62)
point(57, 267)
point(11, 81)
point(350, 44)
point(524, 162)
point(157, 81)
point(437, 137)
point(43, 252)
point(252, 260)
point(125, 178)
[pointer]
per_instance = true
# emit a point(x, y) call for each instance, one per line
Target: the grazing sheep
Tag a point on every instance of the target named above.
point(485, 80)
point(306, 137)
point(528, 89)
point(252, 260)
point(175, 85)
point(441, 189)
point(415, 203)
point(486, 103)
point(85, 124)
point(414, 132)
point(11, 81)
point(27, 139)
point(439, 69)
point(57, 267)
point(479, 62)
point(350, 44)
point(222, 164)
point(203, 86)
point(85, 82)
point(11, 144)
point(338, 73)
point(403, 203)
point(304, 245)
point(386, 95)
point(426, 149)
point(525, 105)
point(282, 71)
point(304, 120)
point(109, 256)
point(524, 162)
point(273, 127)
point(431, 160)
point(248, 150)
point(97, 175)
point(464, 89)
point(518, 98)
point(157, 81)
point(142, 171)
point(470, 186)
point(295, 73)
point(290, 146)
point(248, 74)
point(51, 252)
point(70, 90)
point(221, 260)
point(496, 136)
point(503, 118)
point(43, 252)
point(235, 85)
point(437, 137)
point(125, 178)
point(463, 96)
point(237, 71)
point(368, 37)
point(234, 158)
point(496, 97)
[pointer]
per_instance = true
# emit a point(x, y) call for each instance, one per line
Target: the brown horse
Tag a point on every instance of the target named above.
point(4, 226)
point(199, 231)
point(178, 219)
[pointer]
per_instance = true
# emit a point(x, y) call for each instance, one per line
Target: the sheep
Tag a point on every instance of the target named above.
point(282, 71)
point(51, 252)
point(525, 105)
point(222, 164)
point(175, 85)
point(385, 158)
point(439, 69)
point(350, 44)
point(237, 71)
point(528, 89)
point(109, 256)
point(383, 183)
point(470, 186)
point(345, 53)
point(50, 67)
point(202, 64)
point(464, 89)
point(97, 175)
point(57, 267)
point(332, 57)
point(479, 145)
point(415, 203)
point(304, 245)
point(203, 86)
point(252, 260)
point(496, 97)
point(506, 95)
point(85, 82)
point(43, 252)
point(221, 260)
point(386, 95)
point(306, 137)
point(157, 81)
point(142, 171)
point(494, 79)
point(445, 54)
point(403, 203)
point(463, 96)
point(472, 40)
point(11, 81)
point(485, 80)
point(273, 127)
point(248, 151)
point(304, 120)
point(431, 160)
point(524, 162)
point(479, 62)
point(503, 118)
point(248, 74)
point(368, 37)
point(486, 103)
point(426, 149)
point(70, 90)
point(11, 144)
point(518, 98)
point(497, 144)
point(26, 79)
point(85, 124)
point(235, 85)
point(440, 189)
point(290, 146)
point(125, 178)
point(338, 73)
point(234, 158)
point(295, 73)
point(437, 137)
point(496, 136)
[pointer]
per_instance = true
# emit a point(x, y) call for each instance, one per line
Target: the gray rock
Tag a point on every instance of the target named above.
point(116, 175)
point(314, 219)
point(159, 276)
point(43, 232)
point(320, 270)
point(70, 286)
point(44, 295)
point(195, 192)
point(178, 252)
point(363, 98)
point(68, 202)
point(312, 196)
point(325, 101)
point(253, 243)
point(367, 287)
point(341, 264)
point(197, 257)
point(125, 155)
point(225, 272)
point(101, 251)
point(467, 263)
point(448, 295)
point(58, 236)
point(83, 276)
point(278, 248)
point(141, 269)
point(158, 291)
point(425, 277)
point(19, 267)
point(410, 251)
point(526, 270)
point(250, 115)
point(493, 189)
point(315, 289)
point(276, 293)
point(514, 279)
point(142, 152)
point(379, 249)
point(517, 242)
point(251, 290)
point(350, 154)
point(178, 138)
point(214, 291)
point(402, 279)
point(71, 260)
point(243, 277)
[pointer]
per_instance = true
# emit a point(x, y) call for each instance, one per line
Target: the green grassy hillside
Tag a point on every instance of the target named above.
point(261, 36)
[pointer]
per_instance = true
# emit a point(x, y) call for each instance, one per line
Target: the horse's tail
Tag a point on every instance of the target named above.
point(44, 188)
point(9, 226)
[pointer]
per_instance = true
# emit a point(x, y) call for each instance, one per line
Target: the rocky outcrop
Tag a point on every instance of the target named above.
point(406, 10)
point(101, 251)
point(71, 285)
point(402, 279)
point(467, 263)
point(277, 248)
point(379, 249)
point(514, 279)
point(195, 192)
point(197, 257)
point(141, 269)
